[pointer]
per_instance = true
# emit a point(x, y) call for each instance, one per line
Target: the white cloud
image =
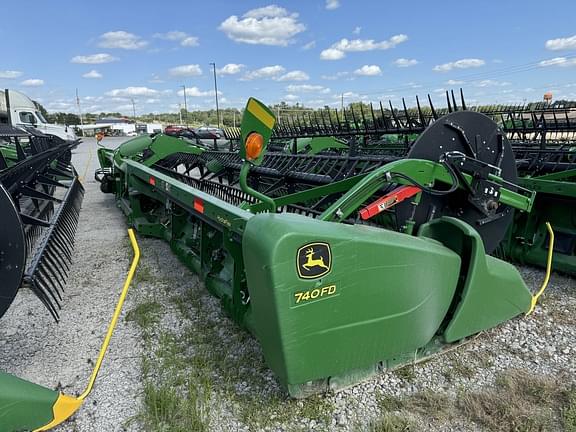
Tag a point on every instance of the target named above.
point(459, 64)
point(93, 74)
point(231, 69)
point(196, 92)
point(336, 76)
point(266, 72)
point(357, 30)
point(121, 40)
point(404, 62)
point(558, 61)
point(309, 45)
point(316, 103)
point(59, 106)
point(171, 35)
point(32, 82)
point(190, 41)
point(10, 74)
point(339, 49)
point(296, 75)
point(491, 83)
point(124, 108)
point(178, 36)
point(368, 70)
point(332, 4)
point(267, 11)
point(306, 88)
point(568, 43)
point(270, 25)
point(347, 95)
point(156, 79)
point(291, 97)
point(332, 54)
point(186, 70)
point(94, 59)
point(132, 91)
point(454, 82)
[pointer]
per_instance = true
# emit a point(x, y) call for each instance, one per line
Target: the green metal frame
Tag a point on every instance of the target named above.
point(527, 239)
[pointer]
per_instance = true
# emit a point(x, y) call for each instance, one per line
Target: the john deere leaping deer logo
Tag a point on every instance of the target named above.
point(314, 260)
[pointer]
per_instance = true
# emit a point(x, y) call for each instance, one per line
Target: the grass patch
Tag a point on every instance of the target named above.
point(145, 314)
point(391, 423)
point(519, 401)
point(430, 405)
point(220, 350)
point(406, 373)
point(457, 369)
point(483, 358)
point(389, 403)
point(169, 411)
point(211, 353)
point(143, 274)
point(569, 412)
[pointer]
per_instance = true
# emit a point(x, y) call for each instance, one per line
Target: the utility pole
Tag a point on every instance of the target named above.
point(134, 110)
point(79, 110)
point(185, 107)
point(180, 112)
point(234, 118)
point(216, 93)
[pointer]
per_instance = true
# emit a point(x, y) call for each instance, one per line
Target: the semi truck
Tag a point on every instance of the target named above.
point(19, 110)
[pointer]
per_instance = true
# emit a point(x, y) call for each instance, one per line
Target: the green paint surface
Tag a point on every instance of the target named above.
point(24, 405)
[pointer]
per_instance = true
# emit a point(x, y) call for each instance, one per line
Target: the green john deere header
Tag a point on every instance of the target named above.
point(336, 279)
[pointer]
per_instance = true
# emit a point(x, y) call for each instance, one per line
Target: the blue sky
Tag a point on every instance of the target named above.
point(310, 52)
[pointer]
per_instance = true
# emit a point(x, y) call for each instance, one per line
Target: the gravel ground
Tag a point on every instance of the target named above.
point(34, 348)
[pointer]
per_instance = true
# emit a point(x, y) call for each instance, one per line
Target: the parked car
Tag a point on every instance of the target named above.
point(206, 132)
point(131, 134)
point(173, 130)
point(182, 131)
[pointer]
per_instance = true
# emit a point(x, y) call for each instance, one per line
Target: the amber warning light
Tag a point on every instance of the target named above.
point(254, 145)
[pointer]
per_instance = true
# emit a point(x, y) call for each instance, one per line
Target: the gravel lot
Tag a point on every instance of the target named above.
point(243, 395)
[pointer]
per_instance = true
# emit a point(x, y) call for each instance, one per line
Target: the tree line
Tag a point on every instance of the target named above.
point(232, 116)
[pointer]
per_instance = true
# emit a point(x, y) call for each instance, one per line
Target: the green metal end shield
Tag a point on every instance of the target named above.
point(257, 118)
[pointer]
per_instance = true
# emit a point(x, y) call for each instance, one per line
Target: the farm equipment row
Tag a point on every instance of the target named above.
point(340, 264)
point(543, 140)
point(40, 199)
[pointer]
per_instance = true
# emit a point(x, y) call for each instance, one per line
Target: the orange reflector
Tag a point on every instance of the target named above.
point(254, 145)
point(198, 205)
point(152, 181)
